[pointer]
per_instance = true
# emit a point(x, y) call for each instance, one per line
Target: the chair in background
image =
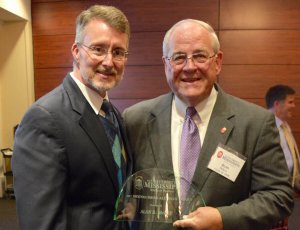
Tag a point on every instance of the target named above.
point(8, 184)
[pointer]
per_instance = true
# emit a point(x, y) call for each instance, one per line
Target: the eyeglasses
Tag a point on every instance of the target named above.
point(100, 52)
point(181, 58)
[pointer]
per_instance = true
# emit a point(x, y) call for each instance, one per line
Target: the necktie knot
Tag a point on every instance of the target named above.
point(106, 106)
point(190, 112)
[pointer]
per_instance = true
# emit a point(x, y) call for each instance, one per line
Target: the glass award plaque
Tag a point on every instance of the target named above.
point(151, 195)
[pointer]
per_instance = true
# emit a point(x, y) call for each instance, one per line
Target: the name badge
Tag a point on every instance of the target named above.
point(226, 162)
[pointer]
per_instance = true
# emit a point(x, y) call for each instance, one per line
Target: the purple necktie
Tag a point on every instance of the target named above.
point(190, 147)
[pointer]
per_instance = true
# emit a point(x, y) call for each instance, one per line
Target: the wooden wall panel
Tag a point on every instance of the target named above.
point(142, 15)
point(47, 79)
point(54, 30)
point(139, 82)
point(259, 14)
point(295, 121)
point(269, 47)
point(297, 138)
point(53, 51)
point(144, 49)
point(253, 81)
point(122, 104)
point(37, 1)
point(260, 41)
point(55, 18)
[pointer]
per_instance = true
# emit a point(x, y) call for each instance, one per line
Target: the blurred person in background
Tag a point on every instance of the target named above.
point(280, 100)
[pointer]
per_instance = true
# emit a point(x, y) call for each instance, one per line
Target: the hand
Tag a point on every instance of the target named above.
point(127, 213)
point(204, 218)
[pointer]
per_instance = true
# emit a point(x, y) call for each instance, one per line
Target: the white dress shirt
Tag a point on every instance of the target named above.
point(204, 110)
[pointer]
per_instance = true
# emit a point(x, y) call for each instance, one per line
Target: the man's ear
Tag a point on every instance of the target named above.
point(165, 64)
point(75, 52)
point(219, 60)
point(276, 104)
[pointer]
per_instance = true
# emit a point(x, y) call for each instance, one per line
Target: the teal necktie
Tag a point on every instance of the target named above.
point(112, 131)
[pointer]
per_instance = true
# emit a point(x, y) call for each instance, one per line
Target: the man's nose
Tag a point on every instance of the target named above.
point(108, 59)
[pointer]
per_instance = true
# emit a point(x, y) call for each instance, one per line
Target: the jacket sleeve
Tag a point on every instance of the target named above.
point(271, 195)
point(39, 172)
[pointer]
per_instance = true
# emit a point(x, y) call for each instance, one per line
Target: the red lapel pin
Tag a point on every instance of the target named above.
point(223, 130)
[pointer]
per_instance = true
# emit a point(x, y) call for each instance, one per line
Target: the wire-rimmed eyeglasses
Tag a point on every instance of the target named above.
point(99, 52)
point(181, 58)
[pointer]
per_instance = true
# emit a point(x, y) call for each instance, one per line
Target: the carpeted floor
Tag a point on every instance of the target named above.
point(8, 219)
point(294, 220)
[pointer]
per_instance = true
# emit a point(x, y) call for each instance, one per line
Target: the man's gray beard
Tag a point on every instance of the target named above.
point(100, 89)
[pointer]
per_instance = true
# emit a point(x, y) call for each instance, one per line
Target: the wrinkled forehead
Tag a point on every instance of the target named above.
point(187, 36)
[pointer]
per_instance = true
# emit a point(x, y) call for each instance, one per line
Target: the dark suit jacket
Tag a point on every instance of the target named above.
point(261, 193)
point(65, 176)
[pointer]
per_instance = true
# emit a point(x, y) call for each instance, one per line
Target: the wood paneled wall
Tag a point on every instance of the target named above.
point(260, 41)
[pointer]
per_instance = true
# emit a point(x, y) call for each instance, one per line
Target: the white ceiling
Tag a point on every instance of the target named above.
point(8, 16)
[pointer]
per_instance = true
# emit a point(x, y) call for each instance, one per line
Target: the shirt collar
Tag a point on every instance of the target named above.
point(279, 122)
point(93, 98)
point(204, 108)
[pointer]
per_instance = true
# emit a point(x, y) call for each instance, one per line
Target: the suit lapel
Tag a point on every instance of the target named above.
point(159, 130)
point(95, 130)
point(218, 131)
point(93, 127)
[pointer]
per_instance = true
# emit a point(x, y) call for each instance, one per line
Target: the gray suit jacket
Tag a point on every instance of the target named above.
point(261, 193)
point(65, 176)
